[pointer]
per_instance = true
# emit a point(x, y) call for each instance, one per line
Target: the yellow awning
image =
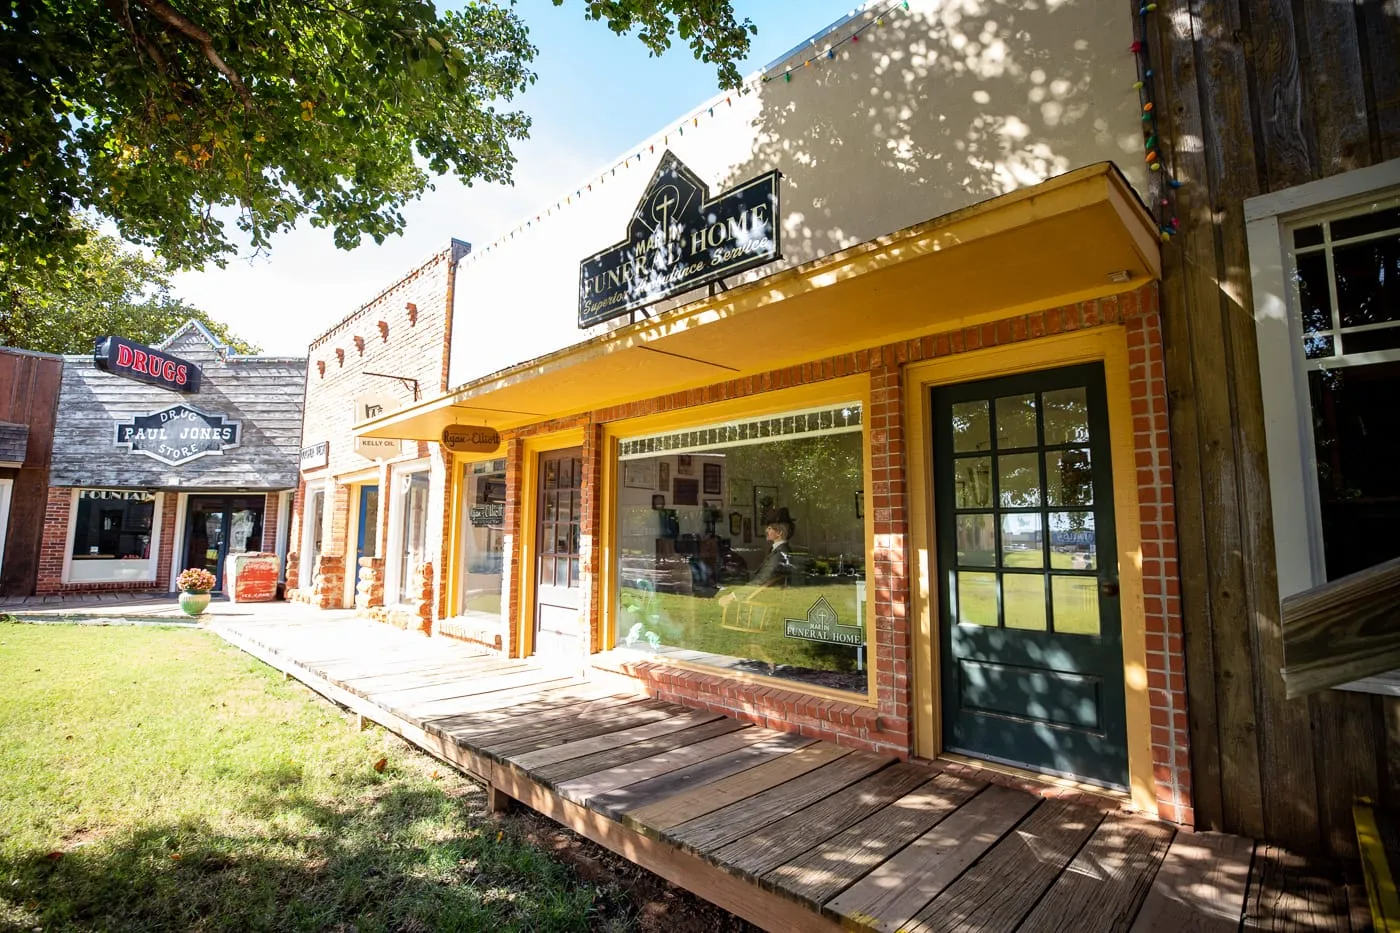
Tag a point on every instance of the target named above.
point(1065, 240)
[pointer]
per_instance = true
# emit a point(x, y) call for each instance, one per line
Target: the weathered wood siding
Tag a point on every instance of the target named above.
point(1257, 96)
point(263, 393)
point(29, 384)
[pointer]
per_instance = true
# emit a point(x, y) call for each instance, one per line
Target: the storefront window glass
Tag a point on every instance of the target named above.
point(112, 535)
point(413, 533)
point(483, 538)
point(742, 546)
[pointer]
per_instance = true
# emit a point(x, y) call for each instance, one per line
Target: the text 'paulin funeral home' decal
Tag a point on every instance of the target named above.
point(679, 239)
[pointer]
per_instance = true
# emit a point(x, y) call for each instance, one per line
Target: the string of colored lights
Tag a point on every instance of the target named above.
point(1164, 211)
point(693, 121)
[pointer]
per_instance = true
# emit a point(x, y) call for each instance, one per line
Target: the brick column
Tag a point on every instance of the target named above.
point(511, 567)
point(369, 591)
point(591, 570)
point(889, 573)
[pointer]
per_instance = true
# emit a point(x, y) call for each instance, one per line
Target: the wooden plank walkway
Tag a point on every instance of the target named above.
point(789, 832)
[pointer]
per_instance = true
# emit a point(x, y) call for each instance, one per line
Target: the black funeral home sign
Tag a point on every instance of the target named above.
point(178, 434)
point(680, 239)
point(122, 357)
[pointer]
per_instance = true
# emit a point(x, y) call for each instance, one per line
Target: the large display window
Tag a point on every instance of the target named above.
point(742, 545)
point(411, 535)
point(483, 538)
point(114, 536)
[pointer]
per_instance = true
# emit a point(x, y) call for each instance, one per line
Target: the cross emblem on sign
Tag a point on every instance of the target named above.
point(663, 205)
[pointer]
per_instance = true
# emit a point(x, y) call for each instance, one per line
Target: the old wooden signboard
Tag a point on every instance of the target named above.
point(178, 434)
point(471, 439)
point(679, 239)
point(123, 357)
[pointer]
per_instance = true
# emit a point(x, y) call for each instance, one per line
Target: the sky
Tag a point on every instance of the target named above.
point(597, 94)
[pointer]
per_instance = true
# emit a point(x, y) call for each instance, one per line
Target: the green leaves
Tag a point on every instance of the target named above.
point(93, 287)
point(174, 121)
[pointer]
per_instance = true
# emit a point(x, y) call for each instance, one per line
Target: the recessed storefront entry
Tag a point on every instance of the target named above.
point(557, 594)
point(367, 531)
point(217, 526)
point(1032, 655)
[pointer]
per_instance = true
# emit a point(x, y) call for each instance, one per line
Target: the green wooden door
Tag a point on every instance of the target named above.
point(1031, 651)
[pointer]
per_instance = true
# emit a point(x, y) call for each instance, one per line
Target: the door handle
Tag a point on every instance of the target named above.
point(1108, 587)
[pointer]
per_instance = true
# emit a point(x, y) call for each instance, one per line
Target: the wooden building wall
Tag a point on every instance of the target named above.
point(29, 384)
point(1255, 96)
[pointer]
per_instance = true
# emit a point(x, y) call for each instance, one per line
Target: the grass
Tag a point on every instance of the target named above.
point(158, 779)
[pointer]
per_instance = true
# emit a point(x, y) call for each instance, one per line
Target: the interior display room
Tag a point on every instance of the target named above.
point(149, 479)
point(367, 532)
point(906, 487)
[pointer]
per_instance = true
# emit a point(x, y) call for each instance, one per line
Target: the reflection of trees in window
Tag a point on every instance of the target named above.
point(817, 479)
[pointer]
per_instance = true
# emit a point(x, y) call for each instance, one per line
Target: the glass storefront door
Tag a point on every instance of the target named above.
point(217, 526)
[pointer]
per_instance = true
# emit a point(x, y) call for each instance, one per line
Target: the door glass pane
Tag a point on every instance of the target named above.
point(1016, 421)
point(1076, 604)
point(1066, 416)
point(551, 474)
point(577, 474)
point(551, 508)
point(977, 598)
point(1020, 540)
point(972, 481)
point(1069, 480)
point(976, 542)
point(1072, 545)
point(1019, 475)
point(1023, 600)
point(970, 427)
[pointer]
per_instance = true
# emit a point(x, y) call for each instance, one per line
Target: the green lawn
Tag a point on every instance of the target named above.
point(158, 779)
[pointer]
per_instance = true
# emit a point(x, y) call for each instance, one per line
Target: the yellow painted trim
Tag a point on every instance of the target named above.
point(1109, 346)
point(845, 389)
point(1380, 883)
point(531, 448)
point(456, 484)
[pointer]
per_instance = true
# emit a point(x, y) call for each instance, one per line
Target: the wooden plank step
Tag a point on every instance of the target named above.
point(994, 895)
point(613, 739)
point(721, 827)
point(821, 873)
point(497, 702)
point(420, 709)
point(605, 723)
point(1200, 887)
point(555, 774)
point(776, 843)
point(1108, 880)
point(1379, 843)
point(698, 801)
point(889, 896)
point(1291, 893)
point(688, 768)
point(550, 718)
point(483, 714)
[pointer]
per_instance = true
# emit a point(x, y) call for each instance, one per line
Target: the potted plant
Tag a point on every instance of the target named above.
point(194, 585)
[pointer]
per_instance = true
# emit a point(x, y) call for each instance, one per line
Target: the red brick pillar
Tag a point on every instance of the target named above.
point(590, 539)
point(889, 574)
point(510, 577)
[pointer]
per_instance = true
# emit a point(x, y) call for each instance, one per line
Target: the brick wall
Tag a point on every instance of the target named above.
point(888, 727)
point(403, 331)
point(53, 548)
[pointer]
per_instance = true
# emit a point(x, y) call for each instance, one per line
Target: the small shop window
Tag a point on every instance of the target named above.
point(483, 538)
point(113, 535)
point(742, 546)
point(413, 533)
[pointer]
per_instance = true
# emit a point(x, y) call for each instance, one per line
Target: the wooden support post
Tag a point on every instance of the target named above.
point(497, 800)
point(361, 722)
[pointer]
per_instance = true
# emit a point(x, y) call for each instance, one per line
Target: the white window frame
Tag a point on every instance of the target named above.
point(152, 562)
point(1297, 509)
point(393, 556)
point(305, 570)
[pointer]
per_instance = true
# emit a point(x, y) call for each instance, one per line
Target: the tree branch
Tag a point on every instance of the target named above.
point(175, 20)
point(121, 10)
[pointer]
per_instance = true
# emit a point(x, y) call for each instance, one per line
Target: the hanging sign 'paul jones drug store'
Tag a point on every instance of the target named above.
point(679, 239)
point(178, 434)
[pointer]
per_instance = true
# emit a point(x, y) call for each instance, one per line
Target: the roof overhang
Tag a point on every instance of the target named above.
point(1072, 238)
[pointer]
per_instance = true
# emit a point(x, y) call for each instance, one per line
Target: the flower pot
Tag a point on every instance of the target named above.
point(194, 603)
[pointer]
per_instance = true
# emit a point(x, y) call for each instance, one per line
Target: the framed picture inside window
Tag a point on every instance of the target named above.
point(860, 504)
point(736, 524)
point(658, 501)
point(714, 479)
point(639, 474)
point(685, 465)
point(663, 476)
point(765, 500)
point(686, 491)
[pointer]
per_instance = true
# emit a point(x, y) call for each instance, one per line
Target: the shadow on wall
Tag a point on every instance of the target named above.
point(961, 104)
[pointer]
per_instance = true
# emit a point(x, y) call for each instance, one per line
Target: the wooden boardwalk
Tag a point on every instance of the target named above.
point(789, 832)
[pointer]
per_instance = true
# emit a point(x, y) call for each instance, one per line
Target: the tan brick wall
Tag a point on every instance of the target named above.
point(403, 331)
